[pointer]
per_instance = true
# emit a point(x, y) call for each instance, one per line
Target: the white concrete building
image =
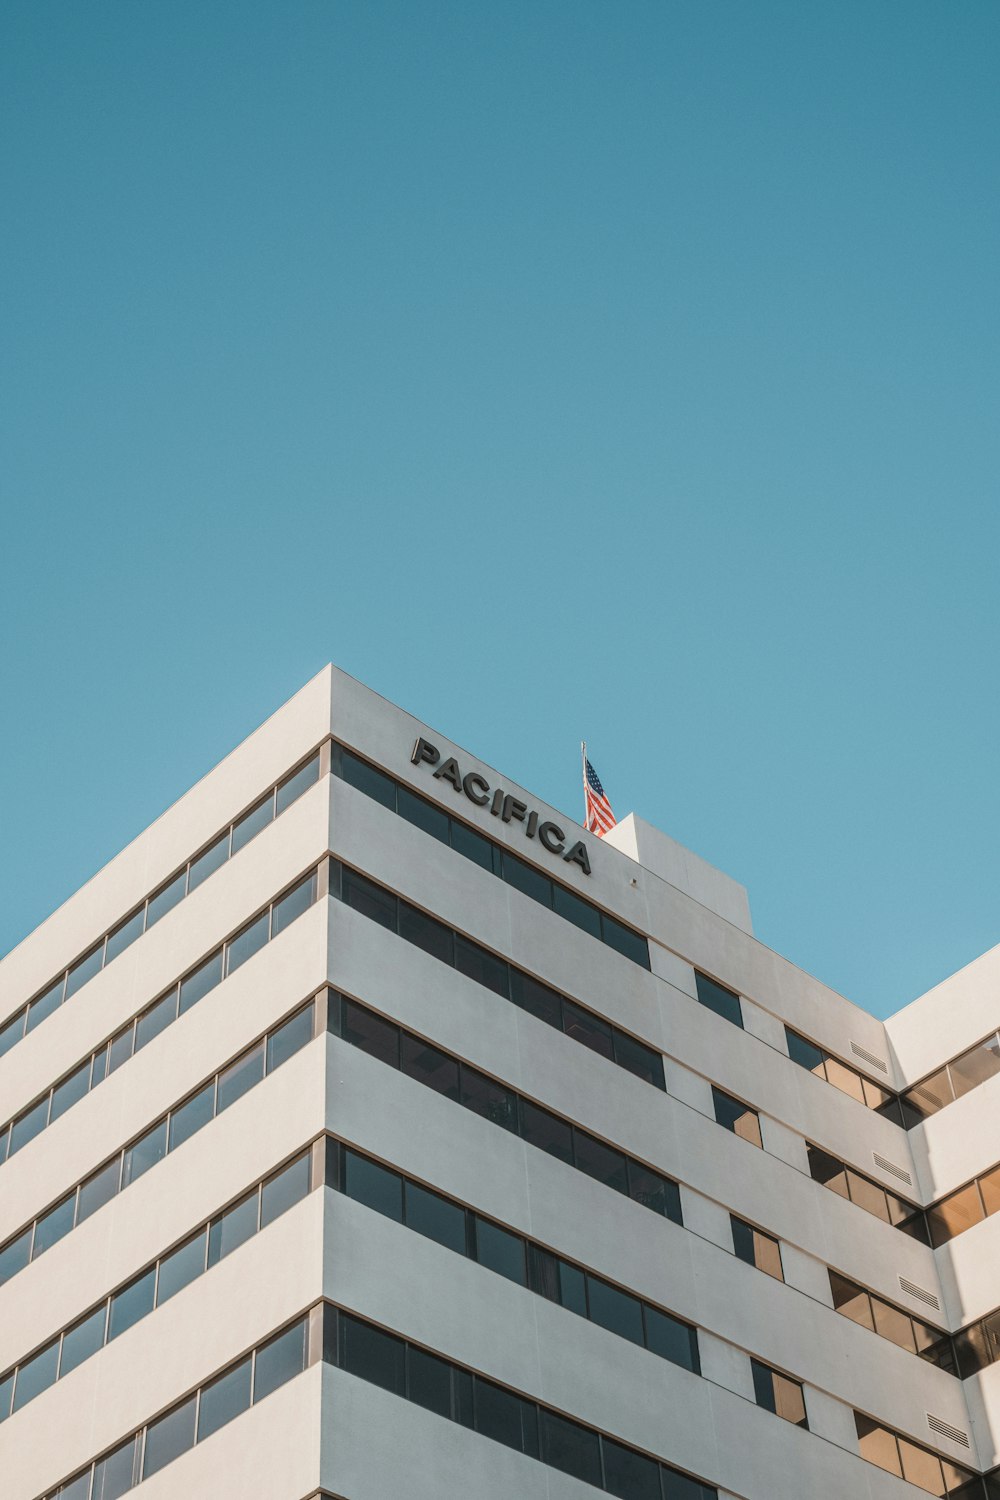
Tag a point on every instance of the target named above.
point(369, 1130)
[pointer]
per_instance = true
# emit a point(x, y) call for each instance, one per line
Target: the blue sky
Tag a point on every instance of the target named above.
point(558, 369)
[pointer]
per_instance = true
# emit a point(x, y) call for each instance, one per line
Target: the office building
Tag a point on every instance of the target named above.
point(370, 1130)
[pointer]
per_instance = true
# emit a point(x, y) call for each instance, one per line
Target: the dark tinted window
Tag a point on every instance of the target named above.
point(206, 864)
point(639, 1059)
point(429, 1066)
point(362, 1028)
point(568, 1446)
point(485, 968)
point(279, 1360)
point(546, 1131)
point(500, 1415)
point(615, 1310)
point(500, 1250)
point(368, 898)
point(716, 997)
point(472, 845)
point(252, 822)
point(429, 1381)
point(653, 1191)
point(181, 1266)
point(376, 1186)
point(600, 1161)
point(422, 814)
point(426, 933)
point(192, 1115)
point(358, 773)
point(632, 944)
point(435, 1217)
point(588, 1029)
point(573, 1288)
point(246, 943)
point(373, 1355)
point(575, 910)
point(197, 985)
point(533, 996)
point(168, 1438)
point(671, 1339)
point(803, 1052)
point(131, 1303)
point(629, 1475)
point(488, 1098)
point(223, 1399)
point(526, 878)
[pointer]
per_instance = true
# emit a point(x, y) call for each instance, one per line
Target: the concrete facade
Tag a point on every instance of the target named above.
point(291, 1119)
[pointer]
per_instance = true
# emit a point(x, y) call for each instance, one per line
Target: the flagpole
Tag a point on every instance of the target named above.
point(583, 767)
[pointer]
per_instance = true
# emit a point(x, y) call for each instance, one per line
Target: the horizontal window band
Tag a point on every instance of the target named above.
point(390, 910)
point(954, 1079)
point(382, 1358)
point(154, 1018)
point(874, 1096)
point(427, 1379)
point(892, 1323)
point(171, 1130)
point(898, 1454)
point(243, 1383)
point(510, 1254)
point(847, 1182)
point(446, 1074)
point(487, 853)
point(167, 895)
point(200, 1249)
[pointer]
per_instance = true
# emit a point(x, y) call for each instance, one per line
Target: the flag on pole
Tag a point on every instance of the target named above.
point(599, 818)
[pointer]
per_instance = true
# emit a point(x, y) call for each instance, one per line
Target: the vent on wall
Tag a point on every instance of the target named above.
point(869, 1057)
point(890, 1166)
point(945, 1429)
point(921, 1293)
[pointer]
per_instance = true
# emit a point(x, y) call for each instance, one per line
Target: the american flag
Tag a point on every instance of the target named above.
point(599, 818)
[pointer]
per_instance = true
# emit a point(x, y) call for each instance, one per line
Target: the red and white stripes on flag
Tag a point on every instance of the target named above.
point(599, 818)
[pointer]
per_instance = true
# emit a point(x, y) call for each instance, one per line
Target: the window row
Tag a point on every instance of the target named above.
point(175, 1127)
point(496, 1412)
point(919, 1465)
point(815, 1060)
point(496, 974)
point(502, 1106)
point(156, 1017)
point(490, 856)
point(871, 1196)
point(271, 1365)
point(511, 1255)
point(891, 1322)
point(157, 1283)
point(732, 1114)
point(978, 1200)
point(197, 870)
point(957, 1078)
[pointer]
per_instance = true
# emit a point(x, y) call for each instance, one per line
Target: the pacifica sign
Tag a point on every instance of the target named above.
point(502, 805)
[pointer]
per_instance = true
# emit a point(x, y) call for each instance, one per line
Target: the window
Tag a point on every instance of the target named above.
point(737, 1117)
point(224, 1398)
point(376, 1186)
point(279, 1360)
point(715, 996)
point(293, 904)
point(240, 1076)
point(431, 1215)
point(82, 1340)
point(247, 942)
point(206, 864)
point(35, 1375)
point(198, 984)
point(165, 899)
point(756, 1248)
point(372, 1355)
point(181, 1267)
point(282, 1191)
point(500, 1251)
point(253, 822)
point(778, 1393)
point(870, 1196)
point(132, 1303)
point(912, 1461)
point(116, 1474)
point(233, 1228)
point(169, 1437)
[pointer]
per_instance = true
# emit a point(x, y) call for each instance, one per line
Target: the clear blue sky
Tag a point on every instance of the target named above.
point(558, 369)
